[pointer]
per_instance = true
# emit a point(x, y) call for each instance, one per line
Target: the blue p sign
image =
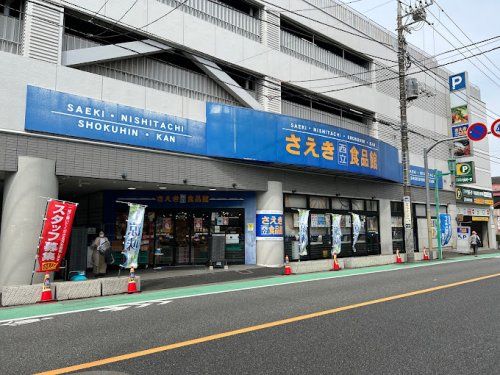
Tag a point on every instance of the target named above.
point(457, 82)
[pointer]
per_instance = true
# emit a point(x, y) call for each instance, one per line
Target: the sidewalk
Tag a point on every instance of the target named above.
point(454, 254)
point(174, 277)
point(37, 311)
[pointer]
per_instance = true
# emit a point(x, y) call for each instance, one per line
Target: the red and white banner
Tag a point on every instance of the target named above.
point(55, 234)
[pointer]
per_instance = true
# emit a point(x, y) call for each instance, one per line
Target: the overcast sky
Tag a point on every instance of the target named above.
point(478, 19)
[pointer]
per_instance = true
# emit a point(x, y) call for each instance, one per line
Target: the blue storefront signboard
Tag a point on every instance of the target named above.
point(417, 177)
point(242, 133)
point(230, 132)
point(269, 225)
point(55, 112)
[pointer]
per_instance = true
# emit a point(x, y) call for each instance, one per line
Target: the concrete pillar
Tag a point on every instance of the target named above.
point(271, 252)
point(385, 226)
point(22, 214)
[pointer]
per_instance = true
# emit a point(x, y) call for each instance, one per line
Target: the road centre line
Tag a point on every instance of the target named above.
point(258, 327)
point(271, 282)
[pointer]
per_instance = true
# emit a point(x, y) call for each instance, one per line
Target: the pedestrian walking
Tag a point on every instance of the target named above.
point(100, 248)
point(475, 241)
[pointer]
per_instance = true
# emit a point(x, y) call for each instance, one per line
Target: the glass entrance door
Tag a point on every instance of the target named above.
point(182, 238)
point(199, 238)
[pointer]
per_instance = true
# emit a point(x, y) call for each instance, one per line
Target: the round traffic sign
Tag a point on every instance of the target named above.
point(495, 128)
point(477, 131)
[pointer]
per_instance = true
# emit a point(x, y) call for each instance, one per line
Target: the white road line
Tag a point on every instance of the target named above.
point(451, 261)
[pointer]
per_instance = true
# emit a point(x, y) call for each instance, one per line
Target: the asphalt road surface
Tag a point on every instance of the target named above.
point(441, 319)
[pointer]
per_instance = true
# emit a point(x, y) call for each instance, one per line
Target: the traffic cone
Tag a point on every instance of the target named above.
point(46, 291)
point(398, 257)
point(288, 269)
point(426, 255)
point(132, 285)
point(336, 265)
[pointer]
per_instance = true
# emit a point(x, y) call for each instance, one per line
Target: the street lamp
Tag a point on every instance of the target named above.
point(451, 168)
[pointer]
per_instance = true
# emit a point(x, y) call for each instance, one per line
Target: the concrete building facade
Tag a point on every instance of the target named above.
point(219, 76)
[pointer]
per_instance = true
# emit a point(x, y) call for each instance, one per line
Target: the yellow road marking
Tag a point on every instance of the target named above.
point(254, 328)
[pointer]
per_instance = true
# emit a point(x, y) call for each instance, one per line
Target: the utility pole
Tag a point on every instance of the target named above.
point(418, 14)
point(405, 154)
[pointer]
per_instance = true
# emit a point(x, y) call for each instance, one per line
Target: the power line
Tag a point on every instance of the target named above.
point(485, 42)
point(264, 85)
point(471, 61)
point(136, 52)
point(463, 32)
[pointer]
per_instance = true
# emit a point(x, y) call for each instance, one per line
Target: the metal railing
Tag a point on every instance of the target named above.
point(10, 34)
point(311, 53)
point(221, 15)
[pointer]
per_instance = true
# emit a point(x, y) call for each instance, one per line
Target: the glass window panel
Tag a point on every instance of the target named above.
point(295, 201)
point(358, 205)
point(442, 209)
point(372, 224)
point(396, 207)
point(340, 204)
point(371, 206)
point(318, 202)
point(420, 210)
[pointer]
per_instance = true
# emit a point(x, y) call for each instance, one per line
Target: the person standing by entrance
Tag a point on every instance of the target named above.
point(475, 241)
point(99, 247)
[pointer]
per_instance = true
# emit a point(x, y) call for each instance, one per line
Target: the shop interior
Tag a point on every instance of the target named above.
point(319, 228)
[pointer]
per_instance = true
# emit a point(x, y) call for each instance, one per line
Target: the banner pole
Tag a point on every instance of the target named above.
point(47, 200)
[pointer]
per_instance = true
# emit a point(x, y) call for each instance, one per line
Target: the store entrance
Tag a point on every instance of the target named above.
point(182, 237)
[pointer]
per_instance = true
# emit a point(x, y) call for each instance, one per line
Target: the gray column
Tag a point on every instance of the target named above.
point(271, 253)
point(22, 214)
point(385, 227)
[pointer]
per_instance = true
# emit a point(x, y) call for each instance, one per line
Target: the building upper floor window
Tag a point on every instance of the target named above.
point(323, 42)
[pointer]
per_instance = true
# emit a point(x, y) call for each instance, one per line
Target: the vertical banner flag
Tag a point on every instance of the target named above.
point(303, 226)
point(356, 227)
point(336, 234)
point(55, 236)
point(445, 220)
point(133, 235)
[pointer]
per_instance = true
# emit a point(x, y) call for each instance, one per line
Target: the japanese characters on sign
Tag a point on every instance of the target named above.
point(183, 198)
point(133, 236)
point(242, 133)
point(269, 225)
point(465, 173)
point(476, 196)
point(55, 236)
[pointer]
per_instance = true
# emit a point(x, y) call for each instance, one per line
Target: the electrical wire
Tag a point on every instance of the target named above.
point(463, 32)
point(326, 102)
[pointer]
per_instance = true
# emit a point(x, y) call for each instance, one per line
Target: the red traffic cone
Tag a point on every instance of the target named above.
point(426, 255)
point(46, 291)
point(132, 285)
point(398, 257)
point(288, 269)
point(335, 265)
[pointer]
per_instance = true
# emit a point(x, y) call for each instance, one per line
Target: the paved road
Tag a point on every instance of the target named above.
point(450, 330)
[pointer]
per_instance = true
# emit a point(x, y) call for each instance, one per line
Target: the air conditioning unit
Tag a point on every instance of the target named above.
point(411, 89)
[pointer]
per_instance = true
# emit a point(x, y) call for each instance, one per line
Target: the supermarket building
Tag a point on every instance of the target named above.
point(221, 120)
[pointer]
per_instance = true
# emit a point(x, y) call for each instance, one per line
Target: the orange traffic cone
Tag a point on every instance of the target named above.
point(398, 257)
point(336, 265)
point(288, 269)
point(132, 285)
point(46, 291)
point(426, 255)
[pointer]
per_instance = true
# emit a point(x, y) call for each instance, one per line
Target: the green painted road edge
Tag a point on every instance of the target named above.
point(74, 306)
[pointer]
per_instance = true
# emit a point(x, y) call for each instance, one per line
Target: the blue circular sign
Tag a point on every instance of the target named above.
point(477, 131)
